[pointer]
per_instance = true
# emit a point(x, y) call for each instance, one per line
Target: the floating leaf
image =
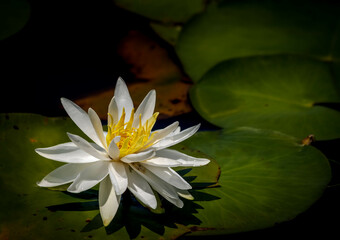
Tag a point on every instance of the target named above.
point(259, 186)
point(46, 214)
point(266, 178)
point(236, 29)
point(276, 92)
point(14, 15)
point(164, 11)
point(168, 32)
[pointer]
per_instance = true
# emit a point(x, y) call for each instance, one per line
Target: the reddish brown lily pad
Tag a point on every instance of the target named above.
point(153, 68)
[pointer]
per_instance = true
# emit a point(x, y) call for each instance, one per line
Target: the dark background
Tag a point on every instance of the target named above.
point(67, 49)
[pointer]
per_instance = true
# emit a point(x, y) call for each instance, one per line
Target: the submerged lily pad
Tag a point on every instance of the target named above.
point(282, 93)
point(266, 178)
point(168, 32)
point(164, 11)
point(153, 68)
point(236, 29)
point(14, 15)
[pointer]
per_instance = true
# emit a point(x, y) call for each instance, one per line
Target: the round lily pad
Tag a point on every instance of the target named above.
point(14, 14)
point(283, 93)
point(55, 214)
point(266, 178)
point(168, 32)
point(258, 186)
point(165, 11)
point(236, 29)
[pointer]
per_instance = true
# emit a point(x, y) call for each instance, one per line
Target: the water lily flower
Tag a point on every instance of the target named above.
point(128, 156)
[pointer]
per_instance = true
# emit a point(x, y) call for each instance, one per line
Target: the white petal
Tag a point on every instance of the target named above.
point(113, 149)
point(163, 188)
point(89, 177)
point(80, 118)
point(141, 189)
point(63, 175)
point(173, 158)
point(146, 108)
point(170, 176)
point(176, 138)
point(108, 201)
point(118, 177)
point(123, 99)
point(162, 133)
point(178, 129)
point(113, 111)
point(163, 162)
point(97, 125)
point(137, 157)
point(66, 152)
point(87, 147)
point(185, 194)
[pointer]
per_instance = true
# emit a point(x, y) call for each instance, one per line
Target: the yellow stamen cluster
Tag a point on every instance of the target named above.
point(132, 139)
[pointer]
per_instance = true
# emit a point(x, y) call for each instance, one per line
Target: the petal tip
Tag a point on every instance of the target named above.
point(64, 101)
point(205, 161)
point(120, 80)
point(106, 222)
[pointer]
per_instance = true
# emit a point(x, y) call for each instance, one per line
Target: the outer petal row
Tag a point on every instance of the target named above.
point(108, 201)
point(66, 152)
point(141, 189)
point(173, 158)
point(118, 176)
point(163, 188)
point(63, 175)
point(89, 177)
point(84, 145)
point(169, 176)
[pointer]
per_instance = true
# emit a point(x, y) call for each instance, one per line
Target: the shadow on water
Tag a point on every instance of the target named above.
point(132, 215)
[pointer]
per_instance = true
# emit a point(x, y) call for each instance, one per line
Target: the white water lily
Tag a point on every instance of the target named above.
point(128, 156)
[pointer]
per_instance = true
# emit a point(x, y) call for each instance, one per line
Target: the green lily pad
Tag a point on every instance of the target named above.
point(266, 178)
point(42, 213)
point(236, 29)
point(14, 15)
point(259, 186)
point(164, 11)
point(275, 92)
point(168, 32)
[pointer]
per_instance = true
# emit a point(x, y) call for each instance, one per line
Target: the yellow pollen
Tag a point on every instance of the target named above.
point(131, 139)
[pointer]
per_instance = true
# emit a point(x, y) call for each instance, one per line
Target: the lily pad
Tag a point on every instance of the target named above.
point(164, 11)
point(266, 178)
point(168, 32)
point(14, 15)
point(282, 93)
point(236, 29)
point(259, 186)
point(51, 214)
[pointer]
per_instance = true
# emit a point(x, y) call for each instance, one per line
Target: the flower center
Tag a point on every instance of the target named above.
point(132, 139)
